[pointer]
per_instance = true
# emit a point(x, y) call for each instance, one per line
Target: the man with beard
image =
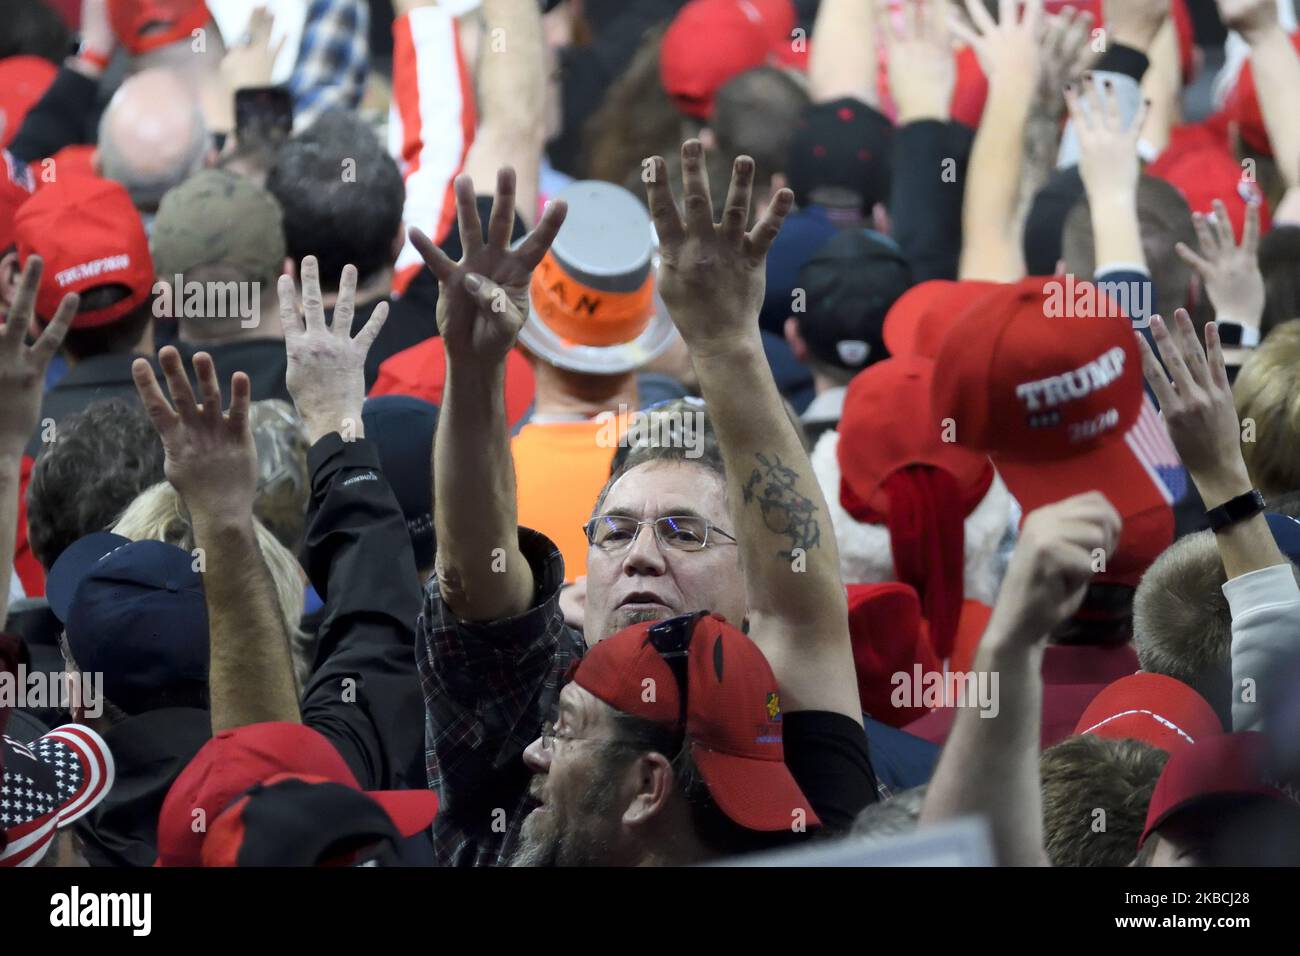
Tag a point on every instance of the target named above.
point(742, 534)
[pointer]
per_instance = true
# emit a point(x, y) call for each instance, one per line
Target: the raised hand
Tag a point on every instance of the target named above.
point(1197, 406)
point(711, 276)
point(22, 367)
point(1008, 47)
point(1052, 565)
point(1250, 18)
point(1230, 272)
point(251, 63)
point(210, 457)
point(1066, 53)
point(483, 299)
point(1108, 157)
point(327, 366)
point(922, 68)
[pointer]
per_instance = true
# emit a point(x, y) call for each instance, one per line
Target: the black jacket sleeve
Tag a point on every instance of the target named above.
point(925, 198)
point(62, 117)
point(363, 694)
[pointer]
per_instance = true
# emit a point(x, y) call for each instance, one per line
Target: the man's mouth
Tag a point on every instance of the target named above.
point(641, 600)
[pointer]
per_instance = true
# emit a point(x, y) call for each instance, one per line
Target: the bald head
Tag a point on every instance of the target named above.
point(152, 136)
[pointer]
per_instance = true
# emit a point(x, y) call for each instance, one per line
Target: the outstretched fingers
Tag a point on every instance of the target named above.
point(537, 242)
point(155, 404)
point(760, 238)
point(697, 201)
point(735, 214)
point(663, 209)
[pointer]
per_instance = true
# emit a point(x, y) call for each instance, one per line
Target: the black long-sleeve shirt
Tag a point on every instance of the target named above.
point(358, 554)
point(64, 116)
point(926, 196)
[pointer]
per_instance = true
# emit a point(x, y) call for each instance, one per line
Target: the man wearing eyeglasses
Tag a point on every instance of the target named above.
point(533, 767)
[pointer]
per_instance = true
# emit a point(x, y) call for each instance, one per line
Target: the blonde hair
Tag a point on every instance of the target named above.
point(158, 514)
point(1267, 392)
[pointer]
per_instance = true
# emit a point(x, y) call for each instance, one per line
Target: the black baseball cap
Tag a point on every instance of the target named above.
point(850, 283)
point(843, 144)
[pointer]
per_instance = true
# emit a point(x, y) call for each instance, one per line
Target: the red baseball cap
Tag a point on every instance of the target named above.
point(1208, 173)
point(16, 186)
point(145, 25)
point(23, 81)
point(888, 638)
point(1153, 708)
point(235, 760)
point(711, 41)
point(90, 235)
point(887, 425)
point(1242, 107)
point(897, 469)
point(1221, 765)
point(1057, 402)
point(294, 819)
point(919, 319)
point(732, 715)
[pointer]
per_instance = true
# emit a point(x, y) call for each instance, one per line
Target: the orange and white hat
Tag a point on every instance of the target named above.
point(593, 304)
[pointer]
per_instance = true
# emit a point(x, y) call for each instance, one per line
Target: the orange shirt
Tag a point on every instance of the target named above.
point(559, 470)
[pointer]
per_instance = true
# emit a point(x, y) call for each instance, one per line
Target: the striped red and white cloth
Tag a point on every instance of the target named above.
point(1150, 443)
point(430, 126)
point(49, 784)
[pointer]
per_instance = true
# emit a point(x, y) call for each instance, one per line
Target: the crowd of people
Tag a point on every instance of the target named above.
point(649, 432)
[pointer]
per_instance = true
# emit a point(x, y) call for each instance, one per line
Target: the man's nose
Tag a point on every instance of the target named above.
point(537, 757)
point(644, 555)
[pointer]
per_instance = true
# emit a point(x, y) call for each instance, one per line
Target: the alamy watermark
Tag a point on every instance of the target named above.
point(208, 300)
point(930, 689)
point(653, 428)
point(53, 690)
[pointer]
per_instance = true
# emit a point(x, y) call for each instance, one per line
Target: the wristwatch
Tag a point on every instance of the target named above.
point(1235, 333)
point(1235, 509)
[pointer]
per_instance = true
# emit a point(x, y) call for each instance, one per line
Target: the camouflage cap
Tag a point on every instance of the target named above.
point(283, 483)
point(218, 218)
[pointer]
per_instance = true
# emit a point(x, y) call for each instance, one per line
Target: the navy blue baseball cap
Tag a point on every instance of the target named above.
point(133, 611)
point(402, 428)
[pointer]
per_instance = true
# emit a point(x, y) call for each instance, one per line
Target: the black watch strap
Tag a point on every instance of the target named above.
point(1235, 509)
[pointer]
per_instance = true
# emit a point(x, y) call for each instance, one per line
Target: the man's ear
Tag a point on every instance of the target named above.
point(651, 776)
point(793, 339)
point(399, 241)
point(9, 273)
point(880, 220)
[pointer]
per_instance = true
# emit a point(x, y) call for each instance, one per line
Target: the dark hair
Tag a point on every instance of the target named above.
point(120, 335)
point(718, 832)
point(100, 460)
point(1279, 261)
point(32, 29)
point(1104, 618)
point(634, 454)
point(755, 114)
point(1165, 220)
point(183, 693)
point(340, 219)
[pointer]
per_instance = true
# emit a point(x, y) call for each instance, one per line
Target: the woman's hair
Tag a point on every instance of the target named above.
point(1267, 394)
point(158, 514)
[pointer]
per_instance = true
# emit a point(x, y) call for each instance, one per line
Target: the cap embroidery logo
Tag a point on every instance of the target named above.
point(773, 706)
point(1076, 384)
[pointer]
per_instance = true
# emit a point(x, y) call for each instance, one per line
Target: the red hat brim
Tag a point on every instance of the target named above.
point(757, 794)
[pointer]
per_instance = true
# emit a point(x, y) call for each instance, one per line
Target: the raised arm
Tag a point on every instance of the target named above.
point(212, 462)
point(22, 377)
point(1230, 274)
point(1109, 168)
point(711, 279)
point(1276, 68)
point(989, 765)
point(842, 58)
point(511, 98)
point(1197, 406)
point(482, 304)
point(1009, 53)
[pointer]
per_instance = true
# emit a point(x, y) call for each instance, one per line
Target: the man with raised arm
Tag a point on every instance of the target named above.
point(742, 533)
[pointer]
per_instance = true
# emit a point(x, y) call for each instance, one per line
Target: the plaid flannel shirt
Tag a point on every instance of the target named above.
point(488, 687)
point(333, 59)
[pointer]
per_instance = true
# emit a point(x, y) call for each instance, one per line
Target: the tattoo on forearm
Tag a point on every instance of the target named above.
point(785, 510)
